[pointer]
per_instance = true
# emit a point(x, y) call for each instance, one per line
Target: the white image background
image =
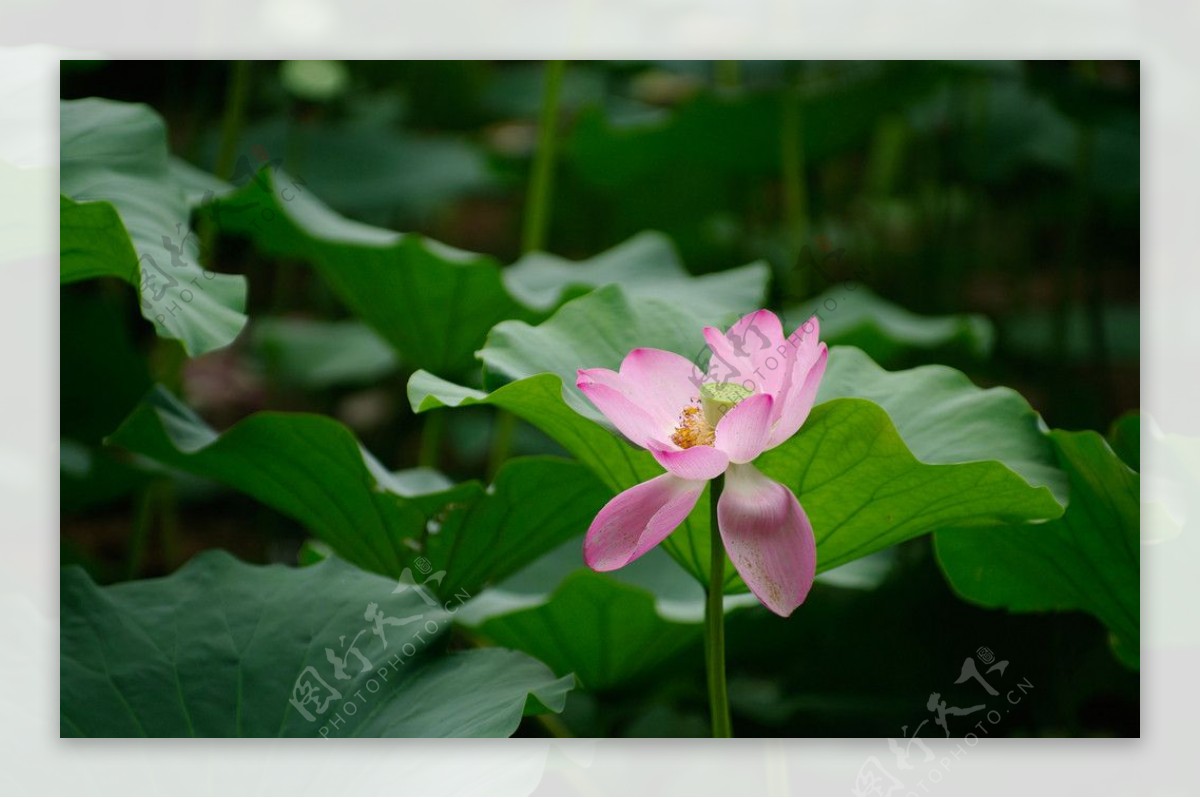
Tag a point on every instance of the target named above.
point(36, 33)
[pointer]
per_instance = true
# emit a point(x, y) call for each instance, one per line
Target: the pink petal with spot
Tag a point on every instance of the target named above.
point(768, 538)
point(637, 520)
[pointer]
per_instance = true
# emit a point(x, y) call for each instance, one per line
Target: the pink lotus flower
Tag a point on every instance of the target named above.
point(757, 393)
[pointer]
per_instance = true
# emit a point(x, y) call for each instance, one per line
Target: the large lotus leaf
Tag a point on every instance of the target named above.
point(436, 304)
point(225, 649)
point(124, 214)
point(1086, 560)
point(945, 418)
point(852, 315)
point(929, 449)
point(313, 469)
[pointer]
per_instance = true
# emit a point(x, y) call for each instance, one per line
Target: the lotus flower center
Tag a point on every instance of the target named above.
point(698, 423)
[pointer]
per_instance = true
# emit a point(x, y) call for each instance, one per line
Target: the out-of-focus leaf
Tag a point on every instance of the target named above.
point(1125, 437)
point(367, 167)
point(123, 215)
point(311, 468)
point(647, 265)
point(314, 80)
point(225, 649)
point(435, 304)
point(89, 476)
point(1036, 333)
point(740, 134)
point(198, 185)
point(517, 90)
point(102, 376)
point(852, 315)
point(1014, 128)
point(929, 449)
point(311, 353)
point(102, 373)
point(1087, 560)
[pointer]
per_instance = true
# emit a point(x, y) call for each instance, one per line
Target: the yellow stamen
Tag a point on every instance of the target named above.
point(693, 429)
point(698, 421)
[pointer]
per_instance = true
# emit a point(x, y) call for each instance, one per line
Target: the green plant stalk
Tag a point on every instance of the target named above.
point(431, 439)
point(504, 426)
point(533, 234)
point(728, 74)
point(232, 120)
point(795, 198)
point(142, 522)
point(172, 544)
point(552, 724)
point(234, 116)
point(541, 183)
point(714, 623)
point(167, 359)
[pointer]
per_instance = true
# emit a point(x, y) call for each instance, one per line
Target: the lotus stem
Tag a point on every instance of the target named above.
point(714, 623)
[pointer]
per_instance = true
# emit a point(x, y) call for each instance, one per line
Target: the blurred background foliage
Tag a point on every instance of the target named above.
point(986, 212)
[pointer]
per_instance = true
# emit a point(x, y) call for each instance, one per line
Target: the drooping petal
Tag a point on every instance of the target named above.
point(798, 397)
point(751, 353)
point(768, 538)
point(637, 520)
point(698, 462)
point(743, 432)
point(611, 396)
